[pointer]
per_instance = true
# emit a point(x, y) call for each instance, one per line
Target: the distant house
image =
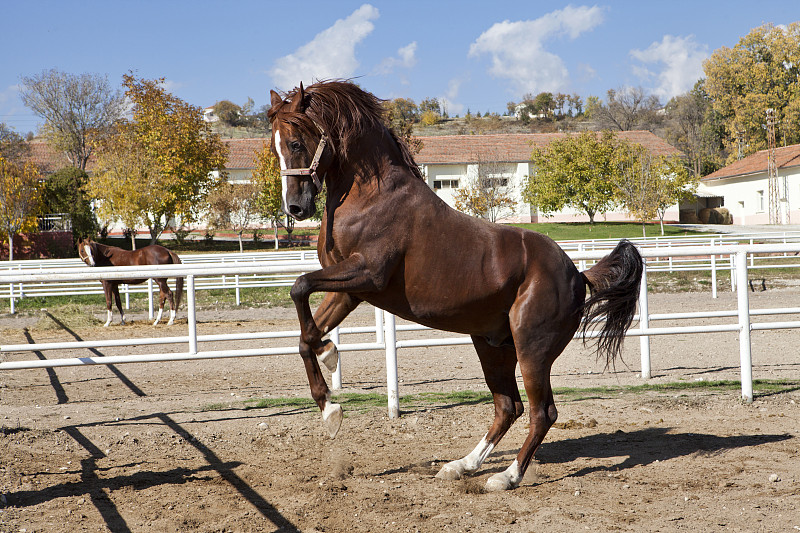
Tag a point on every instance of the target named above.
point(743, 187)
point(209, 115)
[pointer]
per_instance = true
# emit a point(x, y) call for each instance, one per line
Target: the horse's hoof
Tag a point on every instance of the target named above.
point(451, 471)
point(330, 357)
point(501, 481)
point(155, 323)
point(332, 418)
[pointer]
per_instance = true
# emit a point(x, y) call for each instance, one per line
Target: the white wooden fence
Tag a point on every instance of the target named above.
point(385, 329)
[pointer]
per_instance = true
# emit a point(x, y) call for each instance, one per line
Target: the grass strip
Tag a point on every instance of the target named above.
point(359, 401)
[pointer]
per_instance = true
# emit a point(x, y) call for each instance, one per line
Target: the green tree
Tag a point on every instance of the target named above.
point(228, 112)
point(762, 71)
point(648, 185)
point(77, 109)
point(173, 159)
point(19, 200)
point(64, 192)
point(578, 171)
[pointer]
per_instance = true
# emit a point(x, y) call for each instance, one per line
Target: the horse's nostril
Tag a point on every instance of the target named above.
point(294, 209)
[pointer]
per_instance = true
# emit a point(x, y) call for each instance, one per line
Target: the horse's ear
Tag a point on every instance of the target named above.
point(276, 99)
point(297, 104)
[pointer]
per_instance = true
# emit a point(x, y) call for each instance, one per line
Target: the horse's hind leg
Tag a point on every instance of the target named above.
point(163, 294)
point(109, 294)
point(499, 364)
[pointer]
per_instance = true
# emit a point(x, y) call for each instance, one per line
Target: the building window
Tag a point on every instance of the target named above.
point(445, 184)
point(760, 201)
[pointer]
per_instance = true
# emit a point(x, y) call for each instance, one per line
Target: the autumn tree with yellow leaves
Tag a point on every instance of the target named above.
point(762, 71)
point(159, 166)
point(19, 200)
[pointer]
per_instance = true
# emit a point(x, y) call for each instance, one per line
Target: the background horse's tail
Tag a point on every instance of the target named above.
point(178, 281)
point(614, 284)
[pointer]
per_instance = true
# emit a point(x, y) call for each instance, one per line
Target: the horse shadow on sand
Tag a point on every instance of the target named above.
point(640, 447)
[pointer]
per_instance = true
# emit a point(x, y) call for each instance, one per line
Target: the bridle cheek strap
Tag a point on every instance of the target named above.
point(311, 170)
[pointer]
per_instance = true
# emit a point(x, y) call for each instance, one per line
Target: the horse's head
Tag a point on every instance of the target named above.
point(303, 150)
point(86, 251)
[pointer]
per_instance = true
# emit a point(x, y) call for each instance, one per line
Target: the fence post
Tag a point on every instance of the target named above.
point(336, 377)
point(713, 272)
point(126, 288)
point(191, 313)
point(238, 299)
point(391, 365)
point(150, 299)
point(644, 325)
point(733, 272)
point(743, 300)
point(11, 301)
point(379, 337)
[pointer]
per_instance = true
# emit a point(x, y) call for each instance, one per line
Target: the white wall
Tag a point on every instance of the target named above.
point(747, 198)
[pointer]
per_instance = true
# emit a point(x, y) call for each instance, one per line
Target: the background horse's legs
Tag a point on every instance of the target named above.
point(499, 365)
point(163, 293)
point(115, 291)
point(108, 292)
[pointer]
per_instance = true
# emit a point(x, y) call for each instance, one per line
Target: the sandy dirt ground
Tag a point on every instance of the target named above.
point(176, 447)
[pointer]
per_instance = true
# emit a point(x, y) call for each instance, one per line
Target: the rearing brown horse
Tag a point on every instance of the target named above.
point(388, 239)
point(95, 254)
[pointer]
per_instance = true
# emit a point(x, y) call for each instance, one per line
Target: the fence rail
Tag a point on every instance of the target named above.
point(385, 328)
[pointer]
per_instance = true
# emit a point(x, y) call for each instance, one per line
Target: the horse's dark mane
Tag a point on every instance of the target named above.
point(347, 113)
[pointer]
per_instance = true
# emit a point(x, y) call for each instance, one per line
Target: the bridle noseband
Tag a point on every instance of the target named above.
point(311, 170)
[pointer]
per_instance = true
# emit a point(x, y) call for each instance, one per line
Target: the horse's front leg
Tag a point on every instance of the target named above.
point(331, 312)
point(351, 275)
point(163, 294)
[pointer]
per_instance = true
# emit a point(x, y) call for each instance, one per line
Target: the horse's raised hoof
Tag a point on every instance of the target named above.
point(332, 418)
point(452, 471)
point(330, 357)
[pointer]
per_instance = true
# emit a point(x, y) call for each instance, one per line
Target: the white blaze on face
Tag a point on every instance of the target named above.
point(282, 161)
point(88, 251)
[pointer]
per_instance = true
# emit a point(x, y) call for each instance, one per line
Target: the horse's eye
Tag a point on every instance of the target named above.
point(295, 146)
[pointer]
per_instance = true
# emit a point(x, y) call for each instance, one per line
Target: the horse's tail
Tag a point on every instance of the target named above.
point(614, 283)
point(178, 281)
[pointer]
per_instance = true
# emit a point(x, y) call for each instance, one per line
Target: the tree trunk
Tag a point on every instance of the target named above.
point(10, 246)
point(275, 225)
point(241, 246)
point(133, 239)
point(644, 230)
point(591, 216)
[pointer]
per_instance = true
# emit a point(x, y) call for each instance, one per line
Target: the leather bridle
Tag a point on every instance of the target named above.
point(312, 169)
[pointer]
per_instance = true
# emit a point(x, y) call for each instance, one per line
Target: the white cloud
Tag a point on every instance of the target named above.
point(406, 58)
point(331, 54)
point(448, 101)
point(518, 53)
point(681, 61)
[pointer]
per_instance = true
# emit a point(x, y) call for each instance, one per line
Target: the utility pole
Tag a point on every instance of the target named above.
point(772, 172)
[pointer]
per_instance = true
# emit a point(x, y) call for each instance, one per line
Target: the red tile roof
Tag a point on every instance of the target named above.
point(241, 155)
point(513, 147)
point(46, 158)
point(785, 157)
point(444, 149)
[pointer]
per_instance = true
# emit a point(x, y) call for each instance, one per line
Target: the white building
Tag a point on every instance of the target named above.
point(743, 187)
point(450, 161)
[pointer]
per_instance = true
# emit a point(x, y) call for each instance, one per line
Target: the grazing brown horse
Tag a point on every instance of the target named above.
point(95, 254)
point(388, 239)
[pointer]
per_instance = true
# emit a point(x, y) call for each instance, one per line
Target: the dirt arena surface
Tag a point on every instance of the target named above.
point(175, 447)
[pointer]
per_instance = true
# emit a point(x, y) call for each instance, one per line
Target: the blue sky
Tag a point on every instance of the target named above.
point(474, 55)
